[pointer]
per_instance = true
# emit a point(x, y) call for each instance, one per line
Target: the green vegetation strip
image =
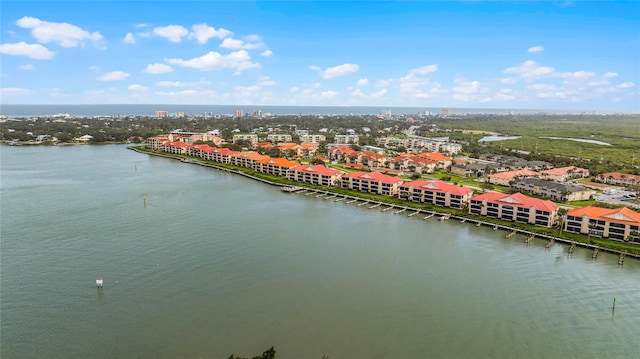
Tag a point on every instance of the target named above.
point(629, 248)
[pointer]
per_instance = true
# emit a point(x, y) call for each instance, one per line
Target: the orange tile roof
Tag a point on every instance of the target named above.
point(373, 177)
point(177, 144)
point(225, 151)
point(325, 171)
point(516, 200)
point(435, 156)
point(252, 155)
point(513, 174)
point(620, 215)
point(561, 171)
point(438, 186)
point(264, 144)
point(280, 162)
point(204, 147)
point(618, 175)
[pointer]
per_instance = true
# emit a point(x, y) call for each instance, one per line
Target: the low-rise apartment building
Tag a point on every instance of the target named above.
point(313, 138)
point(619, 223)
point(562, 174)
point(503, 178)
point(555, 191)
point(318, 175)
point(515, 207)
point(373, 182)
point(253, 139)
point(275, 166)
point(436, 192)
point(617, 178)
point(283, 137)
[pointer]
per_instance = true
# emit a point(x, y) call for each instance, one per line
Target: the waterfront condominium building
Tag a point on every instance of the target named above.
point(515, 207)
point(246, 159)
point(275, 166)
point(312, 138)
point(318, 174)
point(619, 223)
point(436, 192)
point(373, 182)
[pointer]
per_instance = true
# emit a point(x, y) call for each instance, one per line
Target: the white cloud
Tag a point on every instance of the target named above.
point(252, 42)
point(626, 85)
point(379, 94)
point(34, 51)
point(268, 83)
point(505, 95)
point(94, 68)
point(157, 69)
point(203, 32)
point(266, 53)
point(65, 34)
point(173, 33)
point(417, 84)
point(577, 75)
point(129, 39)
point(469, 91)
point(530, 69)
point(137, 87)
point(239, 61)
point(535, 49)
point(508, 80)
point(172, 84)
point(13, 91)
point(542, 87)
point(383, 83)
point(26, 67)
point(295, 89)
point(336, 71)
point(328, 94)
point(113, 76)
point(424, 70)
point(363, 82)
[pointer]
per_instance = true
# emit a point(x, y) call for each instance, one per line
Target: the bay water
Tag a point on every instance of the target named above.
point(200, 263)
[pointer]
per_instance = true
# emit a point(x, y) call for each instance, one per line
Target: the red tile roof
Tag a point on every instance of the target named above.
point(325, 171)
point(561, 171)
point(438, 186)
point(373, 177)
point(281, 162)
point(516, 200)
point(619, 215)
point(224, 151)
point(435, 156)
point(618, 175)
point(513, 174)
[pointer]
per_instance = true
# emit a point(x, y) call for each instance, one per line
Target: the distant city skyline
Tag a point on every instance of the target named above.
point(573, 55)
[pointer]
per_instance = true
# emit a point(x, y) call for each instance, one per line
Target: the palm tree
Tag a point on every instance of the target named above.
point(561, 217)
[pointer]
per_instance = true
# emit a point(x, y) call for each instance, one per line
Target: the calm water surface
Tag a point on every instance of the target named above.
point(218, 264)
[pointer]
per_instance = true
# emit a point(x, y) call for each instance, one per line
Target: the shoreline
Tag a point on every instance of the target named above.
point(413, 210)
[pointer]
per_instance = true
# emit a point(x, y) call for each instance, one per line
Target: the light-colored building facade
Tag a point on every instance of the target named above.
point(281, 137)
point(555, 191)
point(617, 178)
point(563, 174)
point(275, 166)
point(342, 139)
point(253, 139)
point(313, 138)
point(515, 207)
point(619, 223)
point(373, 182)
point(436, 192)
point(318, 175)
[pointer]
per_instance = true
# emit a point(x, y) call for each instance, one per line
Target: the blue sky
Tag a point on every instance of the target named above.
point(573, 55)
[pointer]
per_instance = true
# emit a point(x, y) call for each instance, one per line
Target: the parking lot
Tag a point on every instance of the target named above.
point(626, 198)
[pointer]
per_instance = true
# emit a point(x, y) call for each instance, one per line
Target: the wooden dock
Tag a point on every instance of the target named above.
point(550, 243)
point(529, 238)
point(595, 253)
point(572, 248)
point(429, 216)
point(621, 258)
